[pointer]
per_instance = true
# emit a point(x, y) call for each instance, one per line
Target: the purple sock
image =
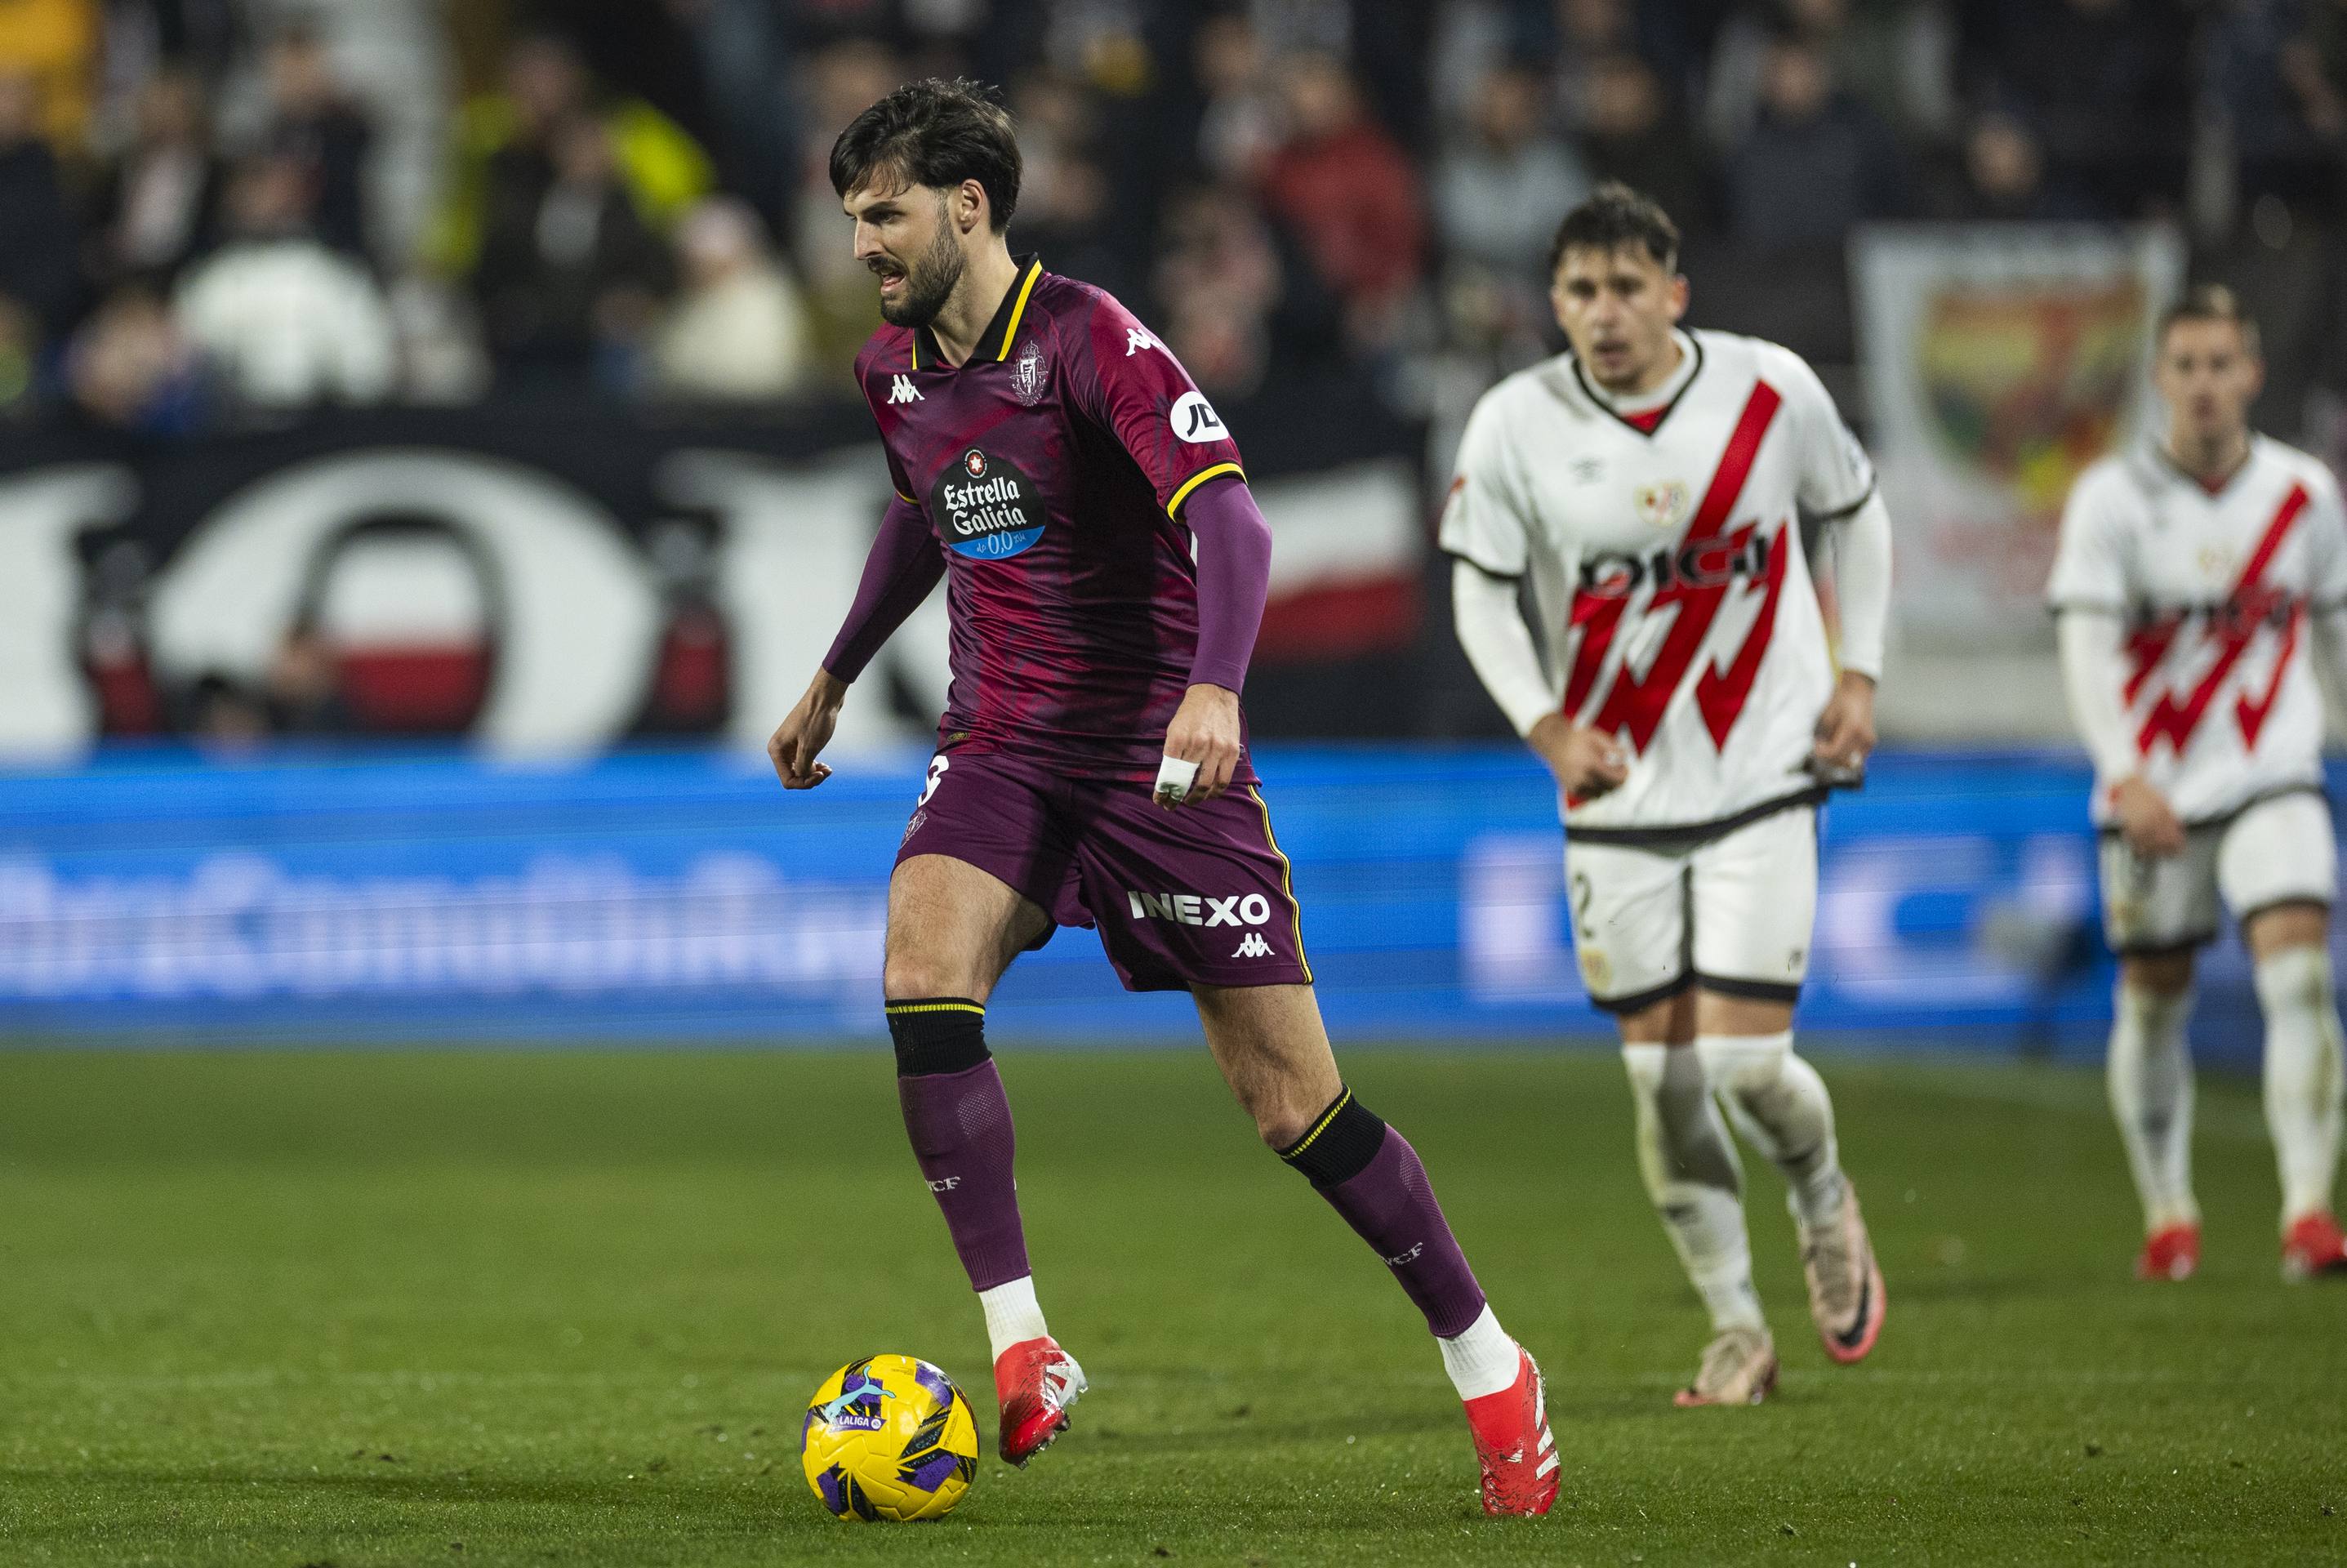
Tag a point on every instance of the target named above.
point(1371, 1175)
point(958, 1119)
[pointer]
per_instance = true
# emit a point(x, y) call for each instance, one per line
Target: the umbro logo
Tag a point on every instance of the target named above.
point(901, 390)
point(1253, 947)
point(1138, 338)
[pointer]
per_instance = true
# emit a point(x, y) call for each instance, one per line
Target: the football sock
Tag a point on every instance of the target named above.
point(1012, 1318)
point(960, 1122)
point(1781, 1105)
point(2302, 1076)
point(1693, 1178)
point(2149, 1075)
point(1371, 1175)
point(1483, 1360)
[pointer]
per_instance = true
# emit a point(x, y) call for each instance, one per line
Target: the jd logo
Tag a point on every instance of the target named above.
point(1195, 421)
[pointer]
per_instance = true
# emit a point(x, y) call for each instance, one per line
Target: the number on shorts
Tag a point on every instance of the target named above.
point(1582, 894)
point(937, 766)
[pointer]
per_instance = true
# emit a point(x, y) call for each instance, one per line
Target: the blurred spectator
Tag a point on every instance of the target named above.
point(506, 150)
point(738, 329)
point(305, 685)
point(1896, 55)
point(37, 262)
point(2105, 82)
point(313, 123)
point(1242, 123)
point(285, 321)
point(1236, 299)
point(54, 44)
point(2005, 177)
point(1817, 161)
point(1501, 191)
point(1352, 195)
point(130, 368)
point(570, 282)
point(840, 82)
point(158, 204)
point(1635, 134)
point(223, 716)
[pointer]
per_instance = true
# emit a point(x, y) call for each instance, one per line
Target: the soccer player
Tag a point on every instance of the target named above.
point(1056, 464)
point(1649, 483)
point(2192, 575)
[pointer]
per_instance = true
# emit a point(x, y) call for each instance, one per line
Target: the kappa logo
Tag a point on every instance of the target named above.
point(1199, 909)
point(1253, 947)
point(901, 390)
point(1138, 338)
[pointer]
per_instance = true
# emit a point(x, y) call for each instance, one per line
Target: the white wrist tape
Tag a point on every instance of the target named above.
point(1174, 777)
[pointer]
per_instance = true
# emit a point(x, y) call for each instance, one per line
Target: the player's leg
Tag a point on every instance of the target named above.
point(1753, 899)
point(2275, 867)
point(2156, 913)
point(1273, 1052)
point(1630, 934)
point(983, 854)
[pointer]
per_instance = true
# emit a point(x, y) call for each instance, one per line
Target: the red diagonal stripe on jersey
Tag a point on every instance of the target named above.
point(1634, 705)
point(2248, 607)
point(1721, 694)
point(2148, 646)
point(2251, 716)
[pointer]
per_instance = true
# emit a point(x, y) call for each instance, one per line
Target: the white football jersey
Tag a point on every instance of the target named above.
point(1671, 593)
point(2215, 590)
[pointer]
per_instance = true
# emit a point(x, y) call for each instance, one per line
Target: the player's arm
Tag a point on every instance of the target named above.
point(1838, 485)
point(2089, 596)
point(903, 568)
point(2327, 614)
point(1488, 528)
point(1233, 563)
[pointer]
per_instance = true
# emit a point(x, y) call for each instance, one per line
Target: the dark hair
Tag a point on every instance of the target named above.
point(1615, 217)
point(2209, 302)
point(934, 133)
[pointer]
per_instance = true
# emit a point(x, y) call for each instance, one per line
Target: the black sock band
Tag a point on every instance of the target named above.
point(1339, 1144)
point(937, 1034)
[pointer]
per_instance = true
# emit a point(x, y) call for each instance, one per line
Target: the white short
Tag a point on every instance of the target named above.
point(2274, 850)
point(1732, 915)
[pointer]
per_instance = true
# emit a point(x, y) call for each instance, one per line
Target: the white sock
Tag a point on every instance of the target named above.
point(2149, 1075)
point(2302, 1076)
point(1483, 1359)
point(1012, 1316)
point(1781, 1105)
point(1693, 1178)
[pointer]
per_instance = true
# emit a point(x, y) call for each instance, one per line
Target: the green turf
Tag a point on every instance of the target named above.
point(438, 1307)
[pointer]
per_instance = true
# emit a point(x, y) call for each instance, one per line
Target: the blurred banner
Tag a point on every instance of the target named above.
point(683, 896)
point(1999, 361)
point(550, 581)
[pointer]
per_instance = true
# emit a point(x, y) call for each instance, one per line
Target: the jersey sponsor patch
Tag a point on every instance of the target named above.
point(1195, 421)
point(985, 508)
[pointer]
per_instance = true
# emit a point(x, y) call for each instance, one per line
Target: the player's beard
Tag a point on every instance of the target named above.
point(929, 281)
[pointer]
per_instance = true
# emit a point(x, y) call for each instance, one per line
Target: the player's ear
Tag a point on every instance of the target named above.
point(969, 205)
point(1676, 294)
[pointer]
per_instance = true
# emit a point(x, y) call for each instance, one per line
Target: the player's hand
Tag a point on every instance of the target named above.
point(2148, 823)
point(1587, 763)
point(1845, 730)
point(1204, 731)
point(807, 730)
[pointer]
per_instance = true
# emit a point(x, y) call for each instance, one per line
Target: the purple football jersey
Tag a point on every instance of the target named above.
point(1053, 467)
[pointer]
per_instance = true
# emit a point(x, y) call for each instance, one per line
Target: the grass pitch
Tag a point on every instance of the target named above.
point(368, 1310)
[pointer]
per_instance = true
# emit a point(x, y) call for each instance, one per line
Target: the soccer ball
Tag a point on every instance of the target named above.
point(889, 1438)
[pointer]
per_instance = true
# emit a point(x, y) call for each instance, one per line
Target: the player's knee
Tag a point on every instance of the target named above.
point(936, 1034)
point(2157, 974)
point(1744, 1065)
point(916, 974)
point(2293, 979)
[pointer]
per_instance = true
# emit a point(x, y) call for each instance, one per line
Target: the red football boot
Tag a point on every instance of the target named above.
point(2171, 1252)
point(1514, 1444)
point(1035, 1382)
point(2312, 1248)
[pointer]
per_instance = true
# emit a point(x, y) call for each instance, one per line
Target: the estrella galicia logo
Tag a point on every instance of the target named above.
point(986, 508)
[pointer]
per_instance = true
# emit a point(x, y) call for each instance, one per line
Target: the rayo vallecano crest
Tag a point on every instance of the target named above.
point(1027, 373)
point(1663, 506)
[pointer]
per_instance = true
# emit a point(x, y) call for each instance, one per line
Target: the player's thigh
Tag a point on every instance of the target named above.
point(1197, 895)
point(1629, 926)
point(2277, 868)
point(2155, 905)
point(954, 928)
point(1273, 1051)
point(980, 875)
point(1752, 900)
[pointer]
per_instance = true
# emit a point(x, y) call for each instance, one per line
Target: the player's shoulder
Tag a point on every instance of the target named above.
point(2118, 485)
point(1538, 392)
point(1078, 311)
point(2292, 463)
point(1738, 357)
point(889, 348)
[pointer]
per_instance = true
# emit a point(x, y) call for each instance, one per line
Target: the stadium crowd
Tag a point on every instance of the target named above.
point(215, 210)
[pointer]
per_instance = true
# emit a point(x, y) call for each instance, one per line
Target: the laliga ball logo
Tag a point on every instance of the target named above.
point(889, 1438)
